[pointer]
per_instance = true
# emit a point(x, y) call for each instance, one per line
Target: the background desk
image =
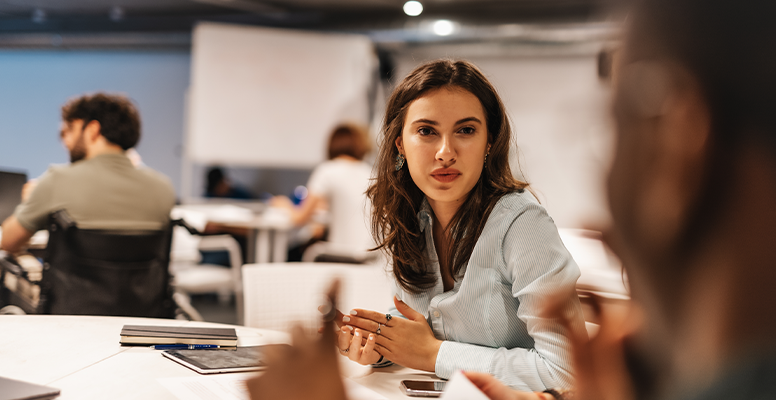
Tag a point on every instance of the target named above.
point(81, 355)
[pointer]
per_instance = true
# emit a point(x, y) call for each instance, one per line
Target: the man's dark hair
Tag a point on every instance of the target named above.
point(118, 117)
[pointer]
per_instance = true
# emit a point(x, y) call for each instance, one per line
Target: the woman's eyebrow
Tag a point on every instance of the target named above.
point(468, 119)
point(425, 121)
point(435, 123)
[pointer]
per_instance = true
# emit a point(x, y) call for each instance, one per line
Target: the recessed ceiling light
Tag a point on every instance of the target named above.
point(116, 14)
point(444, 27)
point(413, 8)
point(39, 16)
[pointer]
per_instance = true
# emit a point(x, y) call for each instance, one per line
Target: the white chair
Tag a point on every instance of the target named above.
point(281, 294)
point(190, 277)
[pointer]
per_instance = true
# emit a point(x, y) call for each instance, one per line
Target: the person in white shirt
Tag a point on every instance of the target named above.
point(339, 184)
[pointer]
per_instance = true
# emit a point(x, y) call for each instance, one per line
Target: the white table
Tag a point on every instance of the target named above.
point(268, 228)
point(81, 356)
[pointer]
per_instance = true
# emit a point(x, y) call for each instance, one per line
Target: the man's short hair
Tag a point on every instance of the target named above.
point(118, 117)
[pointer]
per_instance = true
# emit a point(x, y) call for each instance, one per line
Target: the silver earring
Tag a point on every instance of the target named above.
point(485, 161)
point(399, 161)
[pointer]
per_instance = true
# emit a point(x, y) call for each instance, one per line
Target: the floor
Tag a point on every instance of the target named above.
point(214, 311)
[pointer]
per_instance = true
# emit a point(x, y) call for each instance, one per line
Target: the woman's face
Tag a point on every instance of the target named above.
point(445, 140)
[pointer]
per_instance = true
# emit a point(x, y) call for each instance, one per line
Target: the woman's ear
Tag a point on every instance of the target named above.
point(400, 145)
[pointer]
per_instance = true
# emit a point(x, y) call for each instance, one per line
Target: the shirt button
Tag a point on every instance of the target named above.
point(436, 314)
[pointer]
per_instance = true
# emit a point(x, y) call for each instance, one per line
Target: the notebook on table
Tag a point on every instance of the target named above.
point(11, 389)
point(150, 335)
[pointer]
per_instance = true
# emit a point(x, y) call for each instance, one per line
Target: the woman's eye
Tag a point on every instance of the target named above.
point(425, 131)
point(467, 130)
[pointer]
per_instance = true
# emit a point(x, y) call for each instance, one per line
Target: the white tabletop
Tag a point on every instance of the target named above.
point(81, 356)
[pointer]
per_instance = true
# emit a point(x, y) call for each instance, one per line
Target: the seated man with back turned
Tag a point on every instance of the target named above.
point(100, 189)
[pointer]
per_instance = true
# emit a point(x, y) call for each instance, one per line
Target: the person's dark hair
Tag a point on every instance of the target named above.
point(215, 175)
point(396, 200)
point(118, 118)
point(349, 140)
point(725, 45)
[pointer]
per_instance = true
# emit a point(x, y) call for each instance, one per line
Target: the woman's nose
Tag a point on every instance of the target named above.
point(446, 150)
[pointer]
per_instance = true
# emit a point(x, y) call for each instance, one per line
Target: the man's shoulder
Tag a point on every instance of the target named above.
point(156, 177)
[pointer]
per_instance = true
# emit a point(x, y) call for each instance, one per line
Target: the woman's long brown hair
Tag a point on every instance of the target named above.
point(396, 200)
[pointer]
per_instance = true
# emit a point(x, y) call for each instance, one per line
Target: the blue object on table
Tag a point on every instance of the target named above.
point(184, 346)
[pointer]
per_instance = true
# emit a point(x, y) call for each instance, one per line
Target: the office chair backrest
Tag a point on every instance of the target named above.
point(106, 272)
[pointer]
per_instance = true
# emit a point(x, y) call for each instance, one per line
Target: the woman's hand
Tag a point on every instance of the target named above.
point(409, 342)
point(357, 345)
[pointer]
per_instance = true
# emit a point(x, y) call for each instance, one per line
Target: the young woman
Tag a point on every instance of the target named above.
point(474, 255)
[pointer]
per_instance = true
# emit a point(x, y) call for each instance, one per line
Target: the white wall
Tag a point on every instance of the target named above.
point(559, 117)
point(34, 85)
point(557, 105)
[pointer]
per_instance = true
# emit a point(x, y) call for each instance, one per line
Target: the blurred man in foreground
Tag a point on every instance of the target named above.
point(100, 189)
point(692, 192)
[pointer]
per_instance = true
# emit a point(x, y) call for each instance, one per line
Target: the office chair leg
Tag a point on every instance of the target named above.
point(184, 303)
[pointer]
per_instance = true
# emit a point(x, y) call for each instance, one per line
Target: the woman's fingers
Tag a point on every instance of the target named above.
point(355, 346)
point(362, 323)
point(370, 315)
point(343, 338)
point(368, 354)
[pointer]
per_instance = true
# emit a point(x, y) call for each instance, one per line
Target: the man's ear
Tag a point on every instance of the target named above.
point(680, 143)
point(92, 131)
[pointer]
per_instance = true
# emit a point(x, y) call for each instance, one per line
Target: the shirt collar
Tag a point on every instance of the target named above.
point(425, 215)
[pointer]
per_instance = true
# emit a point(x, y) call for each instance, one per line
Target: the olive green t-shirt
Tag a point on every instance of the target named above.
point(103, 192)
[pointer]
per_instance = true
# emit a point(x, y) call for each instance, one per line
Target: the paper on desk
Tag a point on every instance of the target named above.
point(231, 387)
point(459, 387)
point(221, 387)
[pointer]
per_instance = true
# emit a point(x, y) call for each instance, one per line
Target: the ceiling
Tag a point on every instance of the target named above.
point(83, 16)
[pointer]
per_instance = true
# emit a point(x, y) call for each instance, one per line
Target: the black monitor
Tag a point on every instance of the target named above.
point(11, 184)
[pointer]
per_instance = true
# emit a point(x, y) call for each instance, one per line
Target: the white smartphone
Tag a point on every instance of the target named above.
point(423, 388)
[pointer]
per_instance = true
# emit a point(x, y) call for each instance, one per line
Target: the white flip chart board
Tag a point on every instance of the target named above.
point(271, 97)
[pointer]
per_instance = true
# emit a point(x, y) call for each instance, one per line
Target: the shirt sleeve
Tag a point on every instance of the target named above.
point(33, 213)
point(538, 264)
point(318, 182)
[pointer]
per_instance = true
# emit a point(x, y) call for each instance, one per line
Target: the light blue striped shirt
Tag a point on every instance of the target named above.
point(490, 320)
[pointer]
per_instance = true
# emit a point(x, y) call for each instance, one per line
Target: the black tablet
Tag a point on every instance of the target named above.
point(217, 361)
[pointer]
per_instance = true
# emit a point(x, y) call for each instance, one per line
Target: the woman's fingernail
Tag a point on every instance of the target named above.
point(346, 319)
point(353, 312)
point(357, 334)
point(371, 337)
point(349, 327)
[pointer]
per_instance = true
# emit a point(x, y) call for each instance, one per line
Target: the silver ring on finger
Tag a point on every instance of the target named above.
point(388, 318)
point(379, 327)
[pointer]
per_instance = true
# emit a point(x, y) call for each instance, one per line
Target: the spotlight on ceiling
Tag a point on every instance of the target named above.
point(39, 16)
point(444, 27)
point(116, 14)
point(413, 8)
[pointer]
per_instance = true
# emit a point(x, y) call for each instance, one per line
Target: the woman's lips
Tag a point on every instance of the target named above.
point(445, 174)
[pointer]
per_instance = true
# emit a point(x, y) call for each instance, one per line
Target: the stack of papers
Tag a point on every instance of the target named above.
point(149, 335)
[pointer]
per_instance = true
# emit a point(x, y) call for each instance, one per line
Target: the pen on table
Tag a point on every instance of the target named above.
point(184, 346)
